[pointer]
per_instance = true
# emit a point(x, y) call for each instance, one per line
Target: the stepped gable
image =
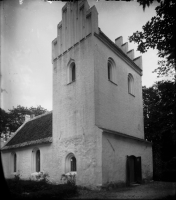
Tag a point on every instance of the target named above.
point(78, 21)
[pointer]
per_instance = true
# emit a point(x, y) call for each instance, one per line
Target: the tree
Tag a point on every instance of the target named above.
point(159, 117)
point(159, 127)
point(14, 118)
point(159, 33)
point(3, 123)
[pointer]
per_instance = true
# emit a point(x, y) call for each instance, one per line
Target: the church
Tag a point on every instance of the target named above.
point(96, 128)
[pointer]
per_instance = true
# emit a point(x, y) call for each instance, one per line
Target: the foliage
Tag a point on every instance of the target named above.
point(14, 118)
point(28, 189)
point(40, 176)
point(69, 178)
point(159, 117)
point(43, 176)
point(159, 33)
point(17, 177)
point(3, 120)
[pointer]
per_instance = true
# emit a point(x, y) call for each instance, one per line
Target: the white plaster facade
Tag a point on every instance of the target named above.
point(84, 109)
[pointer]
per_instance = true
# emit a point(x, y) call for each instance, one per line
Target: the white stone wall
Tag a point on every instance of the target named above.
point(115, 108)
point(115, 150)
point(74, 128)
point(6, 165)
point(90, 101)
point(25, 162)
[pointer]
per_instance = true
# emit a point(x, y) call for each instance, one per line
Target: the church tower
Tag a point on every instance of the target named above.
point(73, 91)
point(97, 102)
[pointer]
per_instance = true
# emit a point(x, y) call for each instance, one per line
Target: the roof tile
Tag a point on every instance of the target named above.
point(36, 129)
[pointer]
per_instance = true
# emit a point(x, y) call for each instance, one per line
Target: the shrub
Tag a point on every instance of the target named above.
point(40, 176)
point(17, 177)
point(113, 185)
point(28, 189)
point(69, 178)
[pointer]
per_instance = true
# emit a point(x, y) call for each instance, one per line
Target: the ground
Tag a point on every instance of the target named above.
point(152, 190)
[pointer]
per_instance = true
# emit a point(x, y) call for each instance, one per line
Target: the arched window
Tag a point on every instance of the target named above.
point(14, 162)
point(38, 160)
point(73, 164)
point(71, 72)
point(70, 163)
point(130, 84)
point(111, 70)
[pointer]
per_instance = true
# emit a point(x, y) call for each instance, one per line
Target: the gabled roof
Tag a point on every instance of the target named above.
point(35, 131)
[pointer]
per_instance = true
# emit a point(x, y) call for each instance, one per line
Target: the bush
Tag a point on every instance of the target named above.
point(28, 189)
point(69, 178)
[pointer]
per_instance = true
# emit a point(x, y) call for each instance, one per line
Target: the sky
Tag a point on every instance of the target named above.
point(27, 30)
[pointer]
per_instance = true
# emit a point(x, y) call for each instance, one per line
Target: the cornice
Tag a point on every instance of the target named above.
point(125, 136)
point(29, 143)
point(77, 43)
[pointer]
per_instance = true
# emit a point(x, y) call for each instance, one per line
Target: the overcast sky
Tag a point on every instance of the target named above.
point(29, 26)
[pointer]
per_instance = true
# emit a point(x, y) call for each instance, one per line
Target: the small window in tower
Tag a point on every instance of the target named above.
point(71, 72)
point(111, 70)
point(130, 84)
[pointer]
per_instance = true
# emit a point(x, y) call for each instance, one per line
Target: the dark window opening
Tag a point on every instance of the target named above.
point(109, 71)
point(38, 161)
point(73, 164)
point(73, 73)
point(15, 163)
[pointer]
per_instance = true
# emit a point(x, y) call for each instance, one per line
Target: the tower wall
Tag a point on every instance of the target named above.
point(115, 108)
point(74, 128)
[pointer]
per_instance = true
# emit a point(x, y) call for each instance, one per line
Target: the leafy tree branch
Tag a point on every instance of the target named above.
point(159, 33)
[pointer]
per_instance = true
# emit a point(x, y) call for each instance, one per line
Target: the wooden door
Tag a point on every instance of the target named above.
point(133, 170)
point(138, 172)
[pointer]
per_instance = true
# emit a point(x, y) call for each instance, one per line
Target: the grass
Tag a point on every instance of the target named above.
point(28, 189)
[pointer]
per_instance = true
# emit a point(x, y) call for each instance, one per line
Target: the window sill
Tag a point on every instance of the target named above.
point(71, 173)
point(131, 94)
point(112, 82)
point(71, 82)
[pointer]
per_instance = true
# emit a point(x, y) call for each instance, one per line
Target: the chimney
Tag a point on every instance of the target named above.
point(2, 143)
point(32, 116)
point(27, 118)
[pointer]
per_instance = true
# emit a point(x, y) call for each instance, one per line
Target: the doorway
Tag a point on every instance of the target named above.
point(134, 174)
